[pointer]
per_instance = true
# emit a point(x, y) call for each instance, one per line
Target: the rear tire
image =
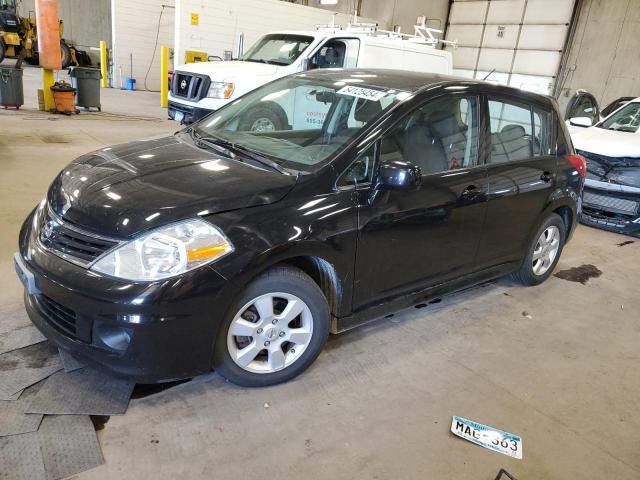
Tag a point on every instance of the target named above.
point(262, 119)
point(65, 51)
point(544, 252)
point(275, 330)
point(34, 60)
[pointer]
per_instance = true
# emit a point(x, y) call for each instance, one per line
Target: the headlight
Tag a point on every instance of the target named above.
point(166, 251)
point(220, 90)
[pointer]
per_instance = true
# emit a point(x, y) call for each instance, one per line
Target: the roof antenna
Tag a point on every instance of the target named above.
point(489, 74)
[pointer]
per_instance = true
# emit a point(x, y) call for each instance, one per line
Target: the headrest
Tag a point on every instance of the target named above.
point(366, 110)
point(444, 123)
point(512, 132)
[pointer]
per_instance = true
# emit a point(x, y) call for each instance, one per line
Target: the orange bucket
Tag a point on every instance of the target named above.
point(64, 98)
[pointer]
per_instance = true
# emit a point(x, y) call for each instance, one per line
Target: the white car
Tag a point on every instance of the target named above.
point(611, 198)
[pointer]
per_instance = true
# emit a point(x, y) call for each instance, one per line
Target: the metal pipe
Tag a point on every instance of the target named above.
point(558, 85)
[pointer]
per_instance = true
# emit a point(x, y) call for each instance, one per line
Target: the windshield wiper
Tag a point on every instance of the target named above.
point(235, 149)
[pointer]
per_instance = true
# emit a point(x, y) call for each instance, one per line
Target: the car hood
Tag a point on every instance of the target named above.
point(230, 71)
point(123, 190)
point(607, 142)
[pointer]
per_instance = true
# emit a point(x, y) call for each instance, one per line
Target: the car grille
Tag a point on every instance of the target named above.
point(71, 243)
point(605, 221)
point(62, 318)
point(609, 203)
point(190, 86)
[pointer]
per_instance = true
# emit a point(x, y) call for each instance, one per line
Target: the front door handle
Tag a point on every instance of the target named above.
point(469, 192)
point(545, 177)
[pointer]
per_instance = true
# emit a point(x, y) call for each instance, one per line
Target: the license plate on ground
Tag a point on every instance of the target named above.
point(488, 437)
point(179, 117)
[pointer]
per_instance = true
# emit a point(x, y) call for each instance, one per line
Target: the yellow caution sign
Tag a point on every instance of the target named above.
point(195, 19)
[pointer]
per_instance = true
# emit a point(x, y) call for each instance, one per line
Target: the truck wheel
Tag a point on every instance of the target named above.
point(276, 329)
point(262, 119)
point(33, 60)
point(65, 51)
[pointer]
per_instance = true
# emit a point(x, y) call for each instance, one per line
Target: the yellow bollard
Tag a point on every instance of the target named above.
point(164, 77)
point(47, 82)
point(104, 64)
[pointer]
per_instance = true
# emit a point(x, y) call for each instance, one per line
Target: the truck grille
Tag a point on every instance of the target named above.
point(190, 86)
point(71, 243)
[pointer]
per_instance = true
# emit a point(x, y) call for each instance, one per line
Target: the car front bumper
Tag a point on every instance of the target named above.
point(146, 332)
point(614, 211)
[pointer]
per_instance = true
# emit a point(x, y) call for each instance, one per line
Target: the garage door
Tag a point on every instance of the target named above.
point(521, 41)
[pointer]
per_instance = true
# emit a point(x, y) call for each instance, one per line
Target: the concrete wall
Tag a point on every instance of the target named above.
point(136, 25)
point(604, 57)
point(220, 22)
point(396, 12)
point(86, 22)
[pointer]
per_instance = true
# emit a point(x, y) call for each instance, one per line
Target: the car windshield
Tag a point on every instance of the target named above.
point(296, 121)
point(627, 119)
point(278, 49)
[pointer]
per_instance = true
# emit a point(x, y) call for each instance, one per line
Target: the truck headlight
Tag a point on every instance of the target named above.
point(220, 90)
point(166, 251)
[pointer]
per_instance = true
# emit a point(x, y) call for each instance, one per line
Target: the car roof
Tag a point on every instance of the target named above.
point(409, 81)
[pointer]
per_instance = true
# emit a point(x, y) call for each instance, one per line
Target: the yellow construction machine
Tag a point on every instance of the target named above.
point(19, 36)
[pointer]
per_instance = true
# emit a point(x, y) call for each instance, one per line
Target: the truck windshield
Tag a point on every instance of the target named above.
point(278, 49)
point(9, 5)
point(627, 119)
point(298, 122)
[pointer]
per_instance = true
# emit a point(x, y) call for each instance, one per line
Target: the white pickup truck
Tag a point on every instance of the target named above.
point(199, 89)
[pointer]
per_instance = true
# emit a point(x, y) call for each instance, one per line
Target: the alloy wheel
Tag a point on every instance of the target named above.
point(546, 250)
point(270, 332)
point(263, 124)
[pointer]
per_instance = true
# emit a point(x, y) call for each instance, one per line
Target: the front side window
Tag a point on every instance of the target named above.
point(438, 137)
point(361, 170)
point(336, 53)
point(278, 49)
point(316, 119)
point(627, 119)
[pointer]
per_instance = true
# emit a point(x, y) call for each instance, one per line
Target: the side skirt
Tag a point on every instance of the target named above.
point(376, 312)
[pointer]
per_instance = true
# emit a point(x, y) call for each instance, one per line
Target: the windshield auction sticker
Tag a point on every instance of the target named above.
point(488, 437)
point(361, 92)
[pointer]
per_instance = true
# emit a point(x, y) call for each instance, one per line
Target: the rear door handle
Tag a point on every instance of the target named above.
point(546, 177)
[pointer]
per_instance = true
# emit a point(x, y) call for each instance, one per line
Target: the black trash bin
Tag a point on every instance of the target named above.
point(11, 91)
point(87, 82)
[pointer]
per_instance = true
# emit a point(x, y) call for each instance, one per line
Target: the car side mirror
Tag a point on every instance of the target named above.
point(397, 175)
point(581, 122)
point(305, 64)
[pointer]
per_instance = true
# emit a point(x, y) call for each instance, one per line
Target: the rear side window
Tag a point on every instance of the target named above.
point(518, 132)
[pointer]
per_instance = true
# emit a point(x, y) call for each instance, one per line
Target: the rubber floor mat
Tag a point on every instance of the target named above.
point(21, 458)
point(69, 363)
point(19, 338)
point(83, 392)
point(21, 368)
point(13, 420)
point(69, 445)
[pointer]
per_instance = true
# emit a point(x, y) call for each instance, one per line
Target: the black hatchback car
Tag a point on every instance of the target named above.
point(242, 250)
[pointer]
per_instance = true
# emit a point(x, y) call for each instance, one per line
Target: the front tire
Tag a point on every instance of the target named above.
point(544, 252)
point(276, 329)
